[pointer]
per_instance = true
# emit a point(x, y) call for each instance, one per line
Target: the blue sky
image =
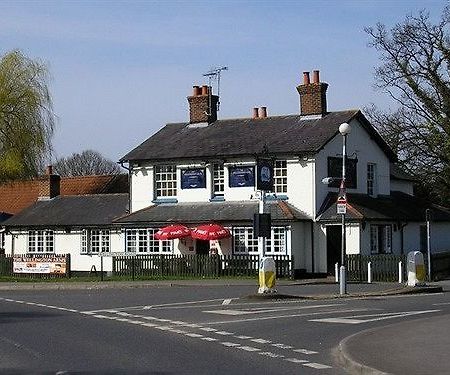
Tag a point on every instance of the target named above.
point(121, 70)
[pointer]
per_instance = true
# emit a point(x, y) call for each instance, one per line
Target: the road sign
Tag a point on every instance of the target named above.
point(341, 206)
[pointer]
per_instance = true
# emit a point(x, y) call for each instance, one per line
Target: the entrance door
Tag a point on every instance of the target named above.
point(334, 238)
point(201, 247)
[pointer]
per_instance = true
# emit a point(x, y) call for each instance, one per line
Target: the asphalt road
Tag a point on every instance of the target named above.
point(210, 330)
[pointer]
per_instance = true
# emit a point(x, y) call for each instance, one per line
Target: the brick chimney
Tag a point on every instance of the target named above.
point(49, 184)
point(199, 105)
point(313, 95)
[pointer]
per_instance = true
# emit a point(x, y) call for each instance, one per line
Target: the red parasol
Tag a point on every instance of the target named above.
point(210, 232)
point(172, 231)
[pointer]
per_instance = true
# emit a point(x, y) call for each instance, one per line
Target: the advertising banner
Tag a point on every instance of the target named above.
point(264, 175)
point(48, 265)
point(241, 176)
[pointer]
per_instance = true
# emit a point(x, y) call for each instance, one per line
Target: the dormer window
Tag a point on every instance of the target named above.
point(165, 181)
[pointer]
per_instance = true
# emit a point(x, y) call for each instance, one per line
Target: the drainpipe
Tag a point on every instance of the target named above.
point(129, 185)
point(312, 248)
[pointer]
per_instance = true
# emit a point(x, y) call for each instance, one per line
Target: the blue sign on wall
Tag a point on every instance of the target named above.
point(241, 176)
point(193, 178)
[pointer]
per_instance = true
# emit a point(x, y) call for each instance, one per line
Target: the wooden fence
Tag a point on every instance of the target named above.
point(384, 267)
point(196, 265)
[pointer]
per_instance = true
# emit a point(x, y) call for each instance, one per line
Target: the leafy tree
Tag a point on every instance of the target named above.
point(414, 71)
point(89, 162)
point(26, 116)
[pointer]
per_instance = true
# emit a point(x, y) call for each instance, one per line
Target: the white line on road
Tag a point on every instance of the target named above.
point(305, 351)
point(372, 317)
point(265, 310)
point(441, 304)
point(296, 360)
point(281, 316)
point(226, 301)
point(317, 366)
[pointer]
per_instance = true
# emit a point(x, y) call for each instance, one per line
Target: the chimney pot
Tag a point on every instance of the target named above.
point(263, 112)
point(306, 80)
point(255, 112)
point(316, 76)
point(197, 90)
point(205, 90)
point(49, 170)
point(202, 107)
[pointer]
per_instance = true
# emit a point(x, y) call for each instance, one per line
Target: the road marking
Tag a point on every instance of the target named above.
point(249, 348)
point(261, 341)
point(372, 317)
point(271, 355)
point(265, 310)
point(305, 351)
point(208, 329)
point(243, 337)
point(317, 366)
point(441, 304)
point(223, 333)
point(230, 344)
point(283, 316)
point(208, 339)
point(295, 360)
point(282, 346)
point(194, 335)
point(226, 301)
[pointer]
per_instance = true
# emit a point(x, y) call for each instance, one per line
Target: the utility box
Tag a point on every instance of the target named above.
point(416, 269)
point(267, 275)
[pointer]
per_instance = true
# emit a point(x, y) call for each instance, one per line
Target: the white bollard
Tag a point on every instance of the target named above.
point(369, 272)
point(400, 272)
point(336, 272)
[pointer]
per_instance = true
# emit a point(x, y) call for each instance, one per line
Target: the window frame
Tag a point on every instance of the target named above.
point(334, 169)
point(43, 239)
point(165, 175)
point(280, 178)
point(248, 244)
point(95, 241)
point(381, 239)
point(144, 242)
point(371, 177)
point(218, 180)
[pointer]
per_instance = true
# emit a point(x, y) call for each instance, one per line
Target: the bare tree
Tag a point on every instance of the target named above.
point(414, 71)
point(89, 162)
point(26, 116)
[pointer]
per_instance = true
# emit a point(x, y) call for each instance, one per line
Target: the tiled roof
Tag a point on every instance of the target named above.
point(396, 207)
point(17, 195)
point(291, 134)
point(203, 212)
point(397, 173)
point(74, 210)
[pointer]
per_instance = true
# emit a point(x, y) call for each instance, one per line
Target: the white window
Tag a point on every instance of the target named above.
point(165, 181)
point(218, 179)
point(246, 243)
point(142, 241)
point(41, 241)
point(280, 176)
point(371, 179)
point(381, 239)
point(95, 241)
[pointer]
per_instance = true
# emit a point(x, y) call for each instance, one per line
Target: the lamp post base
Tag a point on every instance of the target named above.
point(342, 281)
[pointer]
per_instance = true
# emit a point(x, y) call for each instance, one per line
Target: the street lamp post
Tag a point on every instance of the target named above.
point(344, 129)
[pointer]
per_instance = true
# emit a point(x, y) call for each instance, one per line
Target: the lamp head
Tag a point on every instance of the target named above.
point(344, 128)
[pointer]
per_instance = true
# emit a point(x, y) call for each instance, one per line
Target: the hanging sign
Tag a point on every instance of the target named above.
point(264, 175)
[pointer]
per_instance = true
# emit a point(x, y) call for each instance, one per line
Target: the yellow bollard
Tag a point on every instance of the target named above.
point(267, 276)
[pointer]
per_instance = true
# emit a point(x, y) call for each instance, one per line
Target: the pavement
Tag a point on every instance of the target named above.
point(354, 353)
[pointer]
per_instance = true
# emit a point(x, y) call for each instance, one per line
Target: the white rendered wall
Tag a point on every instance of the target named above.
point(361, 145)
point(439, 241)
point(406, 187)
point(141, 189)
point(300, 246)
point(301, 189)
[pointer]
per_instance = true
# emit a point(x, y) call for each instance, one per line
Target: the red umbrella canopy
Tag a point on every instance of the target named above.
point(210, 232)
point(172, 231)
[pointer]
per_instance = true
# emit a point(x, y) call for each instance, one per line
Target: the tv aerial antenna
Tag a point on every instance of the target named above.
point(214, 76)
